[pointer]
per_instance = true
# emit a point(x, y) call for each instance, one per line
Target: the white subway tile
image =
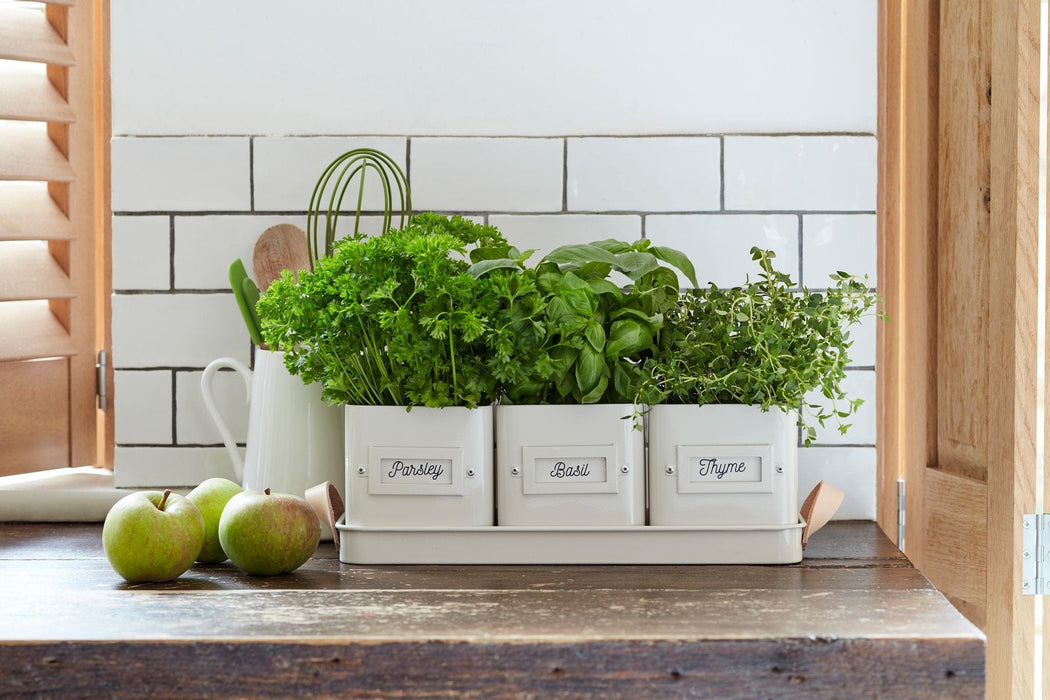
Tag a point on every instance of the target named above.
point(176, 330)
point(864, 338)
point(643, 174)
point(482, 174)
point(141, 252)
point(720, 244)
point(194, 425)
point(206, 245)
point(834, 173)
point(180, 174)
point(832, 242)
point(286, 169)
point(156, 467)
point(477, 67)
point(849, 469)
point(545, 232)
point(142, 402)
point(858, 384)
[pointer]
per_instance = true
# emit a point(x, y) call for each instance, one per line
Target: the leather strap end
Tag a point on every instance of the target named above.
point(328, 504)
point(819, 507)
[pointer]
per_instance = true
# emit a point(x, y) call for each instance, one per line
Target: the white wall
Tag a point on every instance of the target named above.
point(710, 126)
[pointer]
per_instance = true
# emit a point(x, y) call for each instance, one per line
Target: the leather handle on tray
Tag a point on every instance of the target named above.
point(819, 506)
point(328, 504)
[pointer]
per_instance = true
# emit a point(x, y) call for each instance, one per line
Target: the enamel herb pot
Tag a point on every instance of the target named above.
point(722, 465)
point(424, 467)
point(569, 465)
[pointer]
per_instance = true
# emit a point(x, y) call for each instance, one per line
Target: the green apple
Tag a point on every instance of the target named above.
point(210, 497)
point(267, 534)
point(152, 536)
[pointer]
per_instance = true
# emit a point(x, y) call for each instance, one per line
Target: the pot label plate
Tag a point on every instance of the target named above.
point(576, 470)
point(409, 470)
point(569, 469)
point(418, 471)
point(728, 468)
point(725, 468)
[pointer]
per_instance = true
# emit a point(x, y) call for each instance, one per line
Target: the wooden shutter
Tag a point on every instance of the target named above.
point(958, 231)
point(52, 101)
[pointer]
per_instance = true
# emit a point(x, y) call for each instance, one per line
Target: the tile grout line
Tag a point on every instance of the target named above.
point(251, 172)
point(408, 165)
point(721, 173)
point(171, 254)
point(174, 408)
point(801, 281)
point(565, 174)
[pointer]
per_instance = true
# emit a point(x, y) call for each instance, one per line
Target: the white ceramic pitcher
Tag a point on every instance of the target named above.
point(295, 440)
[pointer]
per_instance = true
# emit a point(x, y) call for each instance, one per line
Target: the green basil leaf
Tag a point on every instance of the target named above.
point(595, 335)
point(678, 259)
point(483, 267)
point(612, 245)
point(593, 271)
point(597, 392)
point(604, 286)
point(652, 320)
point(589, 367)
point(636, 265)
point(562, 357)
point(665, 277)
point(627, 337)
point(623, 382)
point(558, 311)
point(580, 253)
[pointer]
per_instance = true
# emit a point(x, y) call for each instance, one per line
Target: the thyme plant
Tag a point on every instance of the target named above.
point(764, 343)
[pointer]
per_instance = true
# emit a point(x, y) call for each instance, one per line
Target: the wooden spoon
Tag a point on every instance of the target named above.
point(280, 247)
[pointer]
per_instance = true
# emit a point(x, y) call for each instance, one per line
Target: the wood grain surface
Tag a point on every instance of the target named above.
point(854, 619)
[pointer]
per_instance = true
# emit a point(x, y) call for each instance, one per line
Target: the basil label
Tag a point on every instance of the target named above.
point(394, 470)
point(575, 470)
point(724, 468)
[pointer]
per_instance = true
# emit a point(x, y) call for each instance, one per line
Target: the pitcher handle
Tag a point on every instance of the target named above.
point(208, 394)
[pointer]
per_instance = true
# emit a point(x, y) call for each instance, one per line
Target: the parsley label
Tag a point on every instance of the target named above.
point(398, 470)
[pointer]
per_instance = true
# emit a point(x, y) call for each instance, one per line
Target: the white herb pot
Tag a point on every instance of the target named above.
point(577, 465)
point(722, 465)
point(424, 467)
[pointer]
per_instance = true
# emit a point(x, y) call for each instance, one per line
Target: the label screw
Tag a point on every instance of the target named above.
point(362, 471)
point(515, 471)
point(669, 469)
point(625, 468)
point(470, 471)
point(780, 469)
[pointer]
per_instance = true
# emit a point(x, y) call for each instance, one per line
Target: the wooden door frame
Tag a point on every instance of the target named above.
point(909, 194)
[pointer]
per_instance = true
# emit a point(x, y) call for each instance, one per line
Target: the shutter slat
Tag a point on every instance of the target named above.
point(27, 94)
point(28, 330)
point(30, 154)
point(26, 35)
point(27, 271)
point(27, 213)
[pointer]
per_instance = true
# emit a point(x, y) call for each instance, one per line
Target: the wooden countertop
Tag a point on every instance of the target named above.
point(854, 620)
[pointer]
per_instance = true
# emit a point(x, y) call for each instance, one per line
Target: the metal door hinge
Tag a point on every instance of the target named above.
point(1035, 549)
point(100, 380)
point(900, 514)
